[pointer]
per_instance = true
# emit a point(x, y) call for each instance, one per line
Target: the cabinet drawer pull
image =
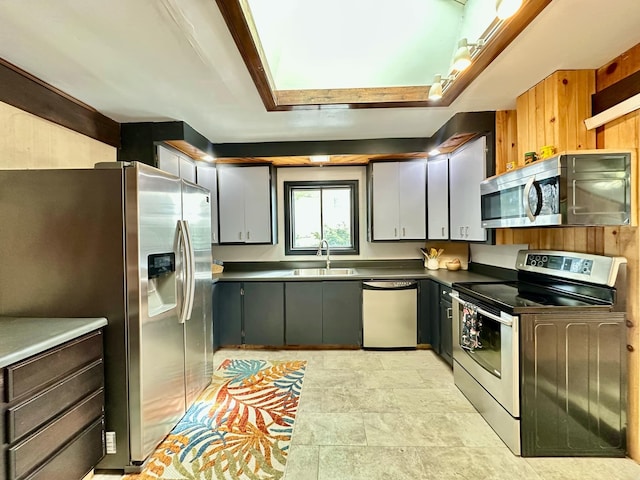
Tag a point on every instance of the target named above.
point(403, 232)
point(240, 235)
point(395, 232)
point(248, 235)
point(443, 231)
point(466, 233)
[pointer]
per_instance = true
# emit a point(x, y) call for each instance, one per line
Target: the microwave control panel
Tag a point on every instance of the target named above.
point(560, 262)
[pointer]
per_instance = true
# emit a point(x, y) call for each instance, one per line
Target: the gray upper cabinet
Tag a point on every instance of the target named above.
point(397, 200)
point(175, 163)
point(207, 178)
point(438, 198)
point(246, 204)
point(467, 168)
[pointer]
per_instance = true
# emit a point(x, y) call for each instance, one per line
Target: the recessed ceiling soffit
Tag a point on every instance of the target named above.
point(348, 54)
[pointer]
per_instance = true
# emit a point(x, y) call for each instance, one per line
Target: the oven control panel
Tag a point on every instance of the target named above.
point(560, 262)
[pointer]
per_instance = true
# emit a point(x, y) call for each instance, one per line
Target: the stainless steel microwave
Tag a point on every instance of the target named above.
point(590, 187)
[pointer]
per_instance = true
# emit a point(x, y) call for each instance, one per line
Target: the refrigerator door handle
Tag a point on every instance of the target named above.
point(192, 270)
point(186, 270)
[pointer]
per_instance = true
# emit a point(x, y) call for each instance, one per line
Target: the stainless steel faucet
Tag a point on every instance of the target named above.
point(319, 252)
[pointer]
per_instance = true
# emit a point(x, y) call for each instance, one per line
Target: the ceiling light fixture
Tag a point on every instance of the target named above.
point(435, 90)
point(319, 158)
point(462, 58)
point(506, 8)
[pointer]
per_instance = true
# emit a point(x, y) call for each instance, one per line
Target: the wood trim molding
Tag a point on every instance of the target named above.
point(26, 92)
point(242, 30)
point(612, 95)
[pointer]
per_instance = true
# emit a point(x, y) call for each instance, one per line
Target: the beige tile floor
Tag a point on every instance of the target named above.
point(397, 415)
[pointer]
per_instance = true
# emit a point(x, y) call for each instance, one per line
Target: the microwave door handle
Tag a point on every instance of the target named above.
point(526, 203)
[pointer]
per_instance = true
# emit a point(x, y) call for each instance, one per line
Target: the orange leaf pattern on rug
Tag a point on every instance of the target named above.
point(239, 428)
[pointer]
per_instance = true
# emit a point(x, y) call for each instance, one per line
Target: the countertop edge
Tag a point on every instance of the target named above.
point(443, 276)
point(77, 328)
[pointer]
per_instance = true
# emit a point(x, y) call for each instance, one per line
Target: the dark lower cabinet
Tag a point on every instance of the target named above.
point(435, 318)
point(263, 312)
point(341, 313)
point(248, 313)
point(303, 313)
point(227, 313)
point(327, 313)
point(446, 326)
point(52, 412)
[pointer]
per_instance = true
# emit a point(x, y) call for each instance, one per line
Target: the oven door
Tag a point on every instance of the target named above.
point(521, 200)
point(494, 359)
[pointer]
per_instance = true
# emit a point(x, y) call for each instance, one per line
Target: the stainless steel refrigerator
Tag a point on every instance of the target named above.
point(130, 243)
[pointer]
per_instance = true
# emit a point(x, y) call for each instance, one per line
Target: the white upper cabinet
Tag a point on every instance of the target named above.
point(438, 198)
point(207, 178)
point(245, 204)
point(176, 164)
point(397, 200)
point(467, 168)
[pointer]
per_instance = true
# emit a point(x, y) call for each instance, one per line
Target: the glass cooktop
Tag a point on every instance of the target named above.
point(519, 294)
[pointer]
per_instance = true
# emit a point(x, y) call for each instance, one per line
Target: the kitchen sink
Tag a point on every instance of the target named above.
point(317, 272)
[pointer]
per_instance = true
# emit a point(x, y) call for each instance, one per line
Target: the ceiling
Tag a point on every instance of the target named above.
point(157, 60)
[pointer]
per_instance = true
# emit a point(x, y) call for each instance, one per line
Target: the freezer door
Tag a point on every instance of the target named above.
point(155, 285)
point(196, 211)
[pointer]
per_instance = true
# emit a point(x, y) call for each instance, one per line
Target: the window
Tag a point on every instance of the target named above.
point(321, 210)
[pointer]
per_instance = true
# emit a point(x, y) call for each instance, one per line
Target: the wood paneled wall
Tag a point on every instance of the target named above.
point(552, 113)
point(28, 141)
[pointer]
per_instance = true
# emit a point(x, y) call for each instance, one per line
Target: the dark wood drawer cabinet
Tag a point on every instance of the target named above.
point(52, 412)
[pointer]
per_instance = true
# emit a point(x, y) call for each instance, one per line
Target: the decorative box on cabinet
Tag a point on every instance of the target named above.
point(397, 200)
point(52, 412)
point(247, 203)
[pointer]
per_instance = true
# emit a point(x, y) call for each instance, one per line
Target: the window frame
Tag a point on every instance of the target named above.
point(290, 186)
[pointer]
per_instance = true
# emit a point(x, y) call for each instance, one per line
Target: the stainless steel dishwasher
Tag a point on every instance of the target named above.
point(390, 314)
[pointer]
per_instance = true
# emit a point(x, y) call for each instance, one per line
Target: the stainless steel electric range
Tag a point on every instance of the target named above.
point(543, 358)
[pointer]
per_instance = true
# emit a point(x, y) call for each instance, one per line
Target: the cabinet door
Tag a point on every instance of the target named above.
point(303, 313)
point(187, 169)
point(467, 169)
point(386, 201)
point(446, 327)
point(264, 313)
point(341, 312)
point(438, 198)
point(207, 178)
point(257, 204)
point(412, 185)
point(227, 313)
point(168, 161)
point(429, 314)
point(231, 205)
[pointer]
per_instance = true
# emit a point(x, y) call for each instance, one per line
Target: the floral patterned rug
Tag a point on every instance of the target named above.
point(239, 428)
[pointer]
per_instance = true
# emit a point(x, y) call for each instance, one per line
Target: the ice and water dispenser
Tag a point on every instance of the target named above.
point(162, 285)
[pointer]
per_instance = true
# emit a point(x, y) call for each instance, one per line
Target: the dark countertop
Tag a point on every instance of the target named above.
point(443, 276)
point(24, 337)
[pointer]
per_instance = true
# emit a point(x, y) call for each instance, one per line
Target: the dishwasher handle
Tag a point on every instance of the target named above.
point(391, 285)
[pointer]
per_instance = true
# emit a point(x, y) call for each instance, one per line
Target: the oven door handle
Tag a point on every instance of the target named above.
point(490, 315)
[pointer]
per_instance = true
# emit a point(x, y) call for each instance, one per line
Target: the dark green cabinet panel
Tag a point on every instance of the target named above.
point(341, 312)
point(446, 326)
point(227, 313)
point(264, 313)
point(303, 313)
